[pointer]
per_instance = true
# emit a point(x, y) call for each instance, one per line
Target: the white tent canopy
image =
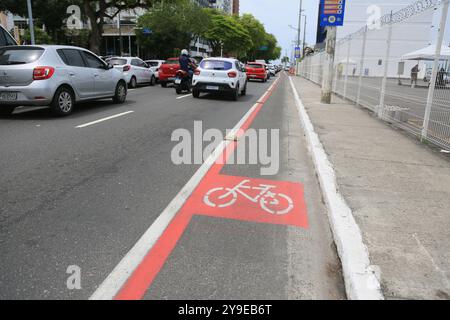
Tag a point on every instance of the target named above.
point(428, 53)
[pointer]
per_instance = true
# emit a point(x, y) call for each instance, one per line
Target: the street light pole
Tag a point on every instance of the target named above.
point(30, 22)
point(304, 37)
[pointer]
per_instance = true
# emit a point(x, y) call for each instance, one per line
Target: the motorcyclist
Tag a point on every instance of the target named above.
point(186, 63)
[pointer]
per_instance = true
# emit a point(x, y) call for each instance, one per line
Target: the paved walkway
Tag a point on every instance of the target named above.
point(399, 191)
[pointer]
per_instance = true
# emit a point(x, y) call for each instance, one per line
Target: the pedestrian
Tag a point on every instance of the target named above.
point(414, 74)
point(440, 78)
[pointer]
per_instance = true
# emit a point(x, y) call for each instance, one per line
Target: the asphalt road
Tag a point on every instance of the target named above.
point(83, 196)
point(412, 100)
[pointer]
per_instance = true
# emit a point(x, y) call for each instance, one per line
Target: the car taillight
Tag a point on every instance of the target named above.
point(126, 68)
point(197, 72)
point(232, 74)
point(43, 73)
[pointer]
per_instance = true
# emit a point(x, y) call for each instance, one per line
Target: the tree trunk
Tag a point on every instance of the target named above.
point(95, 38)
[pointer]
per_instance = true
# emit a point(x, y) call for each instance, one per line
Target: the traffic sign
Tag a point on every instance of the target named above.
point(147, 31)
point(332, 13)
point(298, 53)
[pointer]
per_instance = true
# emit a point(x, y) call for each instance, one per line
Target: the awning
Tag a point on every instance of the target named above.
point(428, 53)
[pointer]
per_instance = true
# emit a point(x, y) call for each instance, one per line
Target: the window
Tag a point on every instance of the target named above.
point(71, 57)
point(93, 61)
point(216, 65)
point(171, 62)
point(6, 39)
point(117, 61)
point(19, 55)
point(255, 66)
point(138, 63)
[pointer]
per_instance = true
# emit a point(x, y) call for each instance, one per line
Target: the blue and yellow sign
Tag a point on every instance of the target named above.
point(332, 13)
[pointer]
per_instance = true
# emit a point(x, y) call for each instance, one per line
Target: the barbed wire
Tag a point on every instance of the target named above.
point(406, 13)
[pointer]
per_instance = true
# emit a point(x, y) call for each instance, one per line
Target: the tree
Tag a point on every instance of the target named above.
point(257, 33)
point(271, 49)
point(228, 34)
point(97, 10)
point(51, 13)
point(285, 60)
point(40, 36)
point(172, 25)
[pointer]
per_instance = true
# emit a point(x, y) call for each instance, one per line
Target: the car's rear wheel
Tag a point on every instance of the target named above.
point(244, 91)
point(196, 93)
point(121, 93)
point(163, 84)
point(152, 81)
point(6, 111)
point(178, 90)
point(63, 102)
point(133, 82)
point(235, 94)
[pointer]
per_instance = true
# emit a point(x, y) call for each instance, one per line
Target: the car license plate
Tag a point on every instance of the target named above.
point(212, 88)
point(177, 81)
point(8, 96)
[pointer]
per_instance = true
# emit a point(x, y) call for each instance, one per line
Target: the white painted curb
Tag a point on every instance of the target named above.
point(361, 283)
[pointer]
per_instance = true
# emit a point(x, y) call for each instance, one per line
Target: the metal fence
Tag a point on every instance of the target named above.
point(398, 67)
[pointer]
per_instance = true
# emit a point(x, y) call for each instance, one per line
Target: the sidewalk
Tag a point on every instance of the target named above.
point(398, 190)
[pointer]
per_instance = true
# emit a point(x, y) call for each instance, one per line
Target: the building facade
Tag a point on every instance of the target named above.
point(409, 35)
point(236, 6)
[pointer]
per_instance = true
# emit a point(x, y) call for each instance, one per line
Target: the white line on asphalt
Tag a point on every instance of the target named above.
point(104, 119)
point(188, 95)
point(117, 278)
point(360, 281)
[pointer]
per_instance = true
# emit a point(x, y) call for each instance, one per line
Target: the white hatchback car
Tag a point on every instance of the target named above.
point(154, 66)
point(135, 70)
point(220, 75)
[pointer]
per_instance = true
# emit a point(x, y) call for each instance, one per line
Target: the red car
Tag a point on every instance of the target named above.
point(256, 71)
point(167, 71)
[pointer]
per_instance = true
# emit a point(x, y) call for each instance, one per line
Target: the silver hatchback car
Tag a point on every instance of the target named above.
point(58, 76)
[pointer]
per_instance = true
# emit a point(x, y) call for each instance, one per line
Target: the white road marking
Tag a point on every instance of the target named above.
point(118, 277)
point(360, 282)
point(104, 119)
point(188, 95)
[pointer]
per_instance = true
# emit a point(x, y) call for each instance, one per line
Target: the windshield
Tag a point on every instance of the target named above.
point(216, 65)
point(117, 62)
point(15, 55)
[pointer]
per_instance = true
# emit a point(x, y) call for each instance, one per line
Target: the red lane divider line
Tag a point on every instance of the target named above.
point(144, 275)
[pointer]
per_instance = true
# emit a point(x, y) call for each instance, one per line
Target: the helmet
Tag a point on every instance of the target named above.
point(184, 52)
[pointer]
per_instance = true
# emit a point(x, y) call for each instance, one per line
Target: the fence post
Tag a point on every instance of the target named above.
point(386, 69)
point(347, 66)
point(335, 68)
point(426, 119)
point(361, 65)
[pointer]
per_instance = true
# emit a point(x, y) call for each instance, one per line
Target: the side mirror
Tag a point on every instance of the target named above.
point(109, 66)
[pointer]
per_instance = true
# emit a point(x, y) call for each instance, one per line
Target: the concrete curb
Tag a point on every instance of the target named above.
point(361, 282)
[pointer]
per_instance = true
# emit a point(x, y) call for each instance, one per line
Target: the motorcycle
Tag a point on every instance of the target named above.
point(183, 82)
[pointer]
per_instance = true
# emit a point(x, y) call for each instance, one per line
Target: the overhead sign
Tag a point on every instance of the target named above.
point(332, 13)
point(147, 31)
point(298, 53)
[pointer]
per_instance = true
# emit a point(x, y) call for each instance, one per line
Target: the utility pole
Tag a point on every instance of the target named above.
point(30, 22)
point(327, 81)
point(120, 36)
point(304, 37)
point(297, 61)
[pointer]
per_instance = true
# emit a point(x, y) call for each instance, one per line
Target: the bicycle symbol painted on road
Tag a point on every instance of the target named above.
point(269, 201)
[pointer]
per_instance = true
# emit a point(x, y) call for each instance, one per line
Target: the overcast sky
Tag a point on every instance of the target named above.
point(278, 14)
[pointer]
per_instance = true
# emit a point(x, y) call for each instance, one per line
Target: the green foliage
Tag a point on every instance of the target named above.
point(173, 25)
point(40, 36)
point(285, 60)
point(227, 33)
